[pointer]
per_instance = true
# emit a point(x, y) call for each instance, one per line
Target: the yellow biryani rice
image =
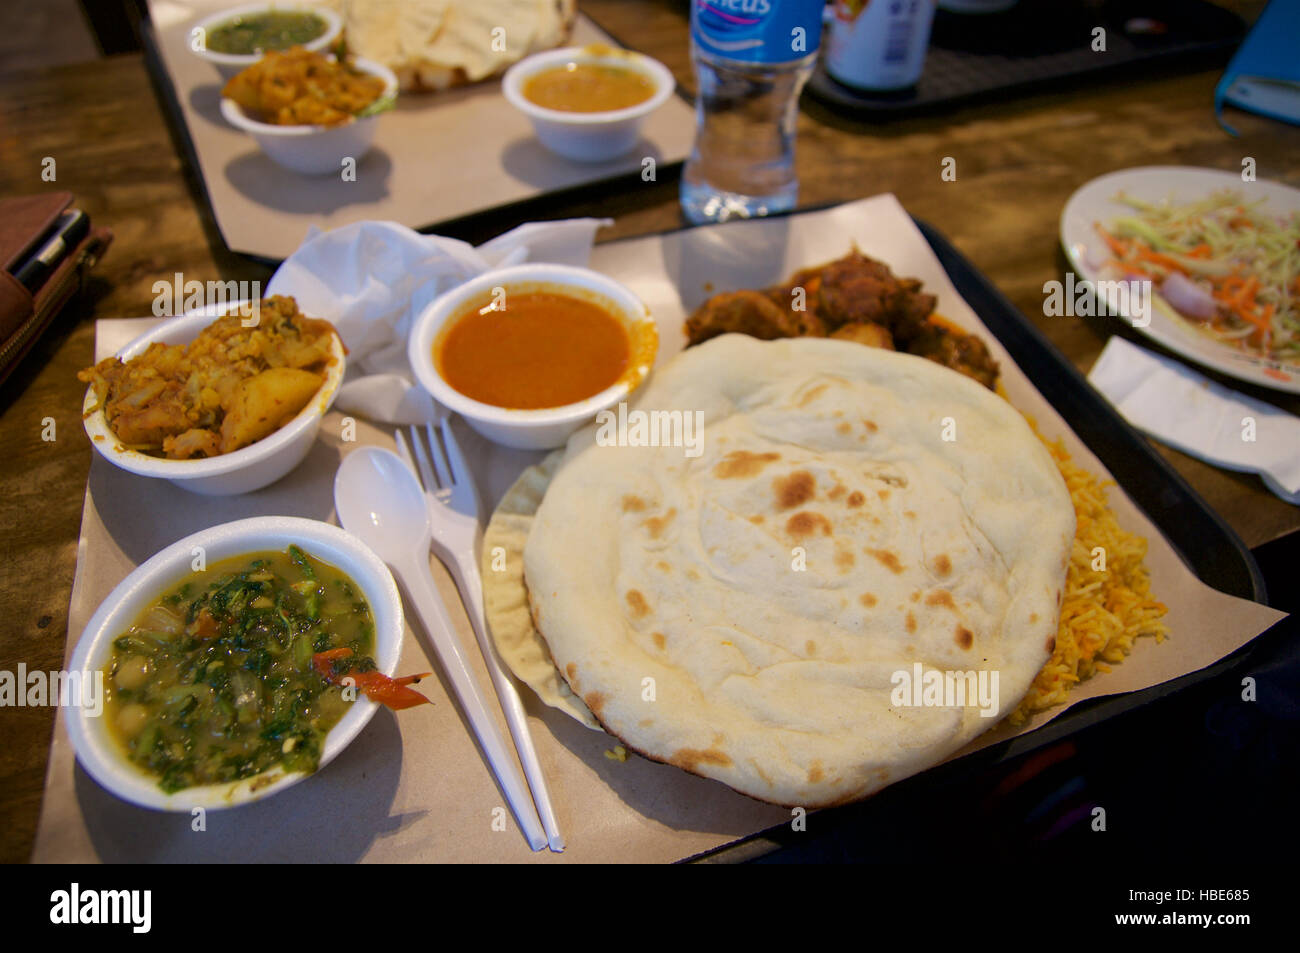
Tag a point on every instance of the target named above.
point(1103, 612)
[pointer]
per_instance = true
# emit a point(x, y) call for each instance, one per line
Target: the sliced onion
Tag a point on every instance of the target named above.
point(162, 620)
point(1188, 297)
point(1095, 255)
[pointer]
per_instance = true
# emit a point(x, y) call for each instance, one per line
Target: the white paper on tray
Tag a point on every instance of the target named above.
point(415, 789)
point(1185, 409)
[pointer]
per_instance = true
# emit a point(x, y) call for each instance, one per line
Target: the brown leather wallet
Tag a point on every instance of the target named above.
point(24, 315)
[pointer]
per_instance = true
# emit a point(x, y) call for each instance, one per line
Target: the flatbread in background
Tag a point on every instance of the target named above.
point(437, 44)
point(554, 20)
point(646, 563)
point(382, 30)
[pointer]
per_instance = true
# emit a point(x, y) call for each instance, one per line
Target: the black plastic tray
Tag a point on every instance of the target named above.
point(1038, 44)
point(1205, 543)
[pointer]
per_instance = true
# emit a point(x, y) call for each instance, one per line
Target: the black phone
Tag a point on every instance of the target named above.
point(67, 233)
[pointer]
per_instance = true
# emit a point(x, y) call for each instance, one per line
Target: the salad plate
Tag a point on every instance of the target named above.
point(1222, 257)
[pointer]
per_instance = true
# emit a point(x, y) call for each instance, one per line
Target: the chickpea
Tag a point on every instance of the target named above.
point(132, 719)
point(132, 672)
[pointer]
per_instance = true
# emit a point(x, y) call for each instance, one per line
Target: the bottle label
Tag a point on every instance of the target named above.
point(757, 31)
point(879, 45)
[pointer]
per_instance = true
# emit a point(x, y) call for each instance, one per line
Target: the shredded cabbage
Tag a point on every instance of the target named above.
point(1221, 243)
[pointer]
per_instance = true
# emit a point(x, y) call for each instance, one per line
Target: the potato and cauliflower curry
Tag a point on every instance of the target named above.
point(229, 387)
point(298, 87)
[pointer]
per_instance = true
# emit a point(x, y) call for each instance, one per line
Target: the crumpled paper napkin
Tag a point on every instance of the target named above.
point(1186, 410)
point(373, 279)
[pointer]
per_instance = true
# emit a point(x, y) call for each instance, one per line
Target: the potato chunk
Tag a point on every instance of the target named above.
point(872, 335)
point(264, 403)
point(196, 442)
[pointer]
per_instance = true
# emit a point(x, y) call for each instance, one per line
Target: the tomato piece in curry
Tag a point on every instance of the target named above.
point(532, 350)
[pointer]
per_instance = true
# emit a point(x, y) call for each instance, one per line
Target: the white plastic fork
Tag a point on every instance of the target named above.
point(454, 513)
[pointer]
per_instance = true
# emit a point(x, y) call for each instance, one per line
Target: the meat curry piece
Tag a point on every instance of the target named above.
point(854, 298)
point(957, 350)
point(742, 312)
point(856, 289)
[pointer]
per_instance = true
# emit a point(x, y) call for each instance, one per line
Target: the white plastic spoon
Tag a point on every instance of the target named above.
point(380, 501)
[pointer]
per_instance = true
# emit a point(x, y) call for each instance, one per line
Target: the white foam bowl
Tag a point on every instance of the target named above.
point(250, 468)
point(315, 150)
point(548, 427)
point(101, 755)
point(228, 64)
point(588, 137)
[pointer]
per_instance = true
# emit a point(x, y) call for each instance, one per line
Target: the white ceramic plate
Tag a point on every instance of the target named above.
point(1096, 203)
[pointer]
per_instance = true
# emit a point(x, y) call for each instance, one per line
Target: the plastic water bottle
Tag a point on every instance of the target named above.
point(752, 58)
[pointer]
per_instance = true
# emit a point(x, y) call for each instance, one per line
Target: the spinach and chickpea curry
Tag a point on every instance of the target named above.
point(244, 667)
point(273, 30)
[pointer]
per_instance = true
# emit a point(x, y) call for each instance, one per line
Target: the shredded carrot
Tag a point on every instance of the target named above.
point(1118, 248)
point(1241, 313)
point(1131, 269)
point(1146, 254)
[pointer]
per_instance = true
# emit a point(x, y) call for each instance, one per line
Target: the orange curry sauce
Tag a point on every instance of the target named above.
point(541, 350)
point(588, 88)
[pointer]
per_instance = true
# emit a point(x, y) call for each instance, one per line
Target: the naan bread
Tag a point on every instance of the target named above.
point(743, 613)
point(436, 44)
point(505, 595)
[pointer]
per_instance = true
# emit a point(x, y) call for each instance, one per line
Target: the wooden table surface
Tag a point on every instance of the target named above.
point(1016, 161)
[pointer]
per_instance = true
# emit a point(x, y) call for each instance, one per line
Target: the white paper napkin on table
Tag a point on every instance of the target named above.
point(1188, 411)
point(372, 280)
